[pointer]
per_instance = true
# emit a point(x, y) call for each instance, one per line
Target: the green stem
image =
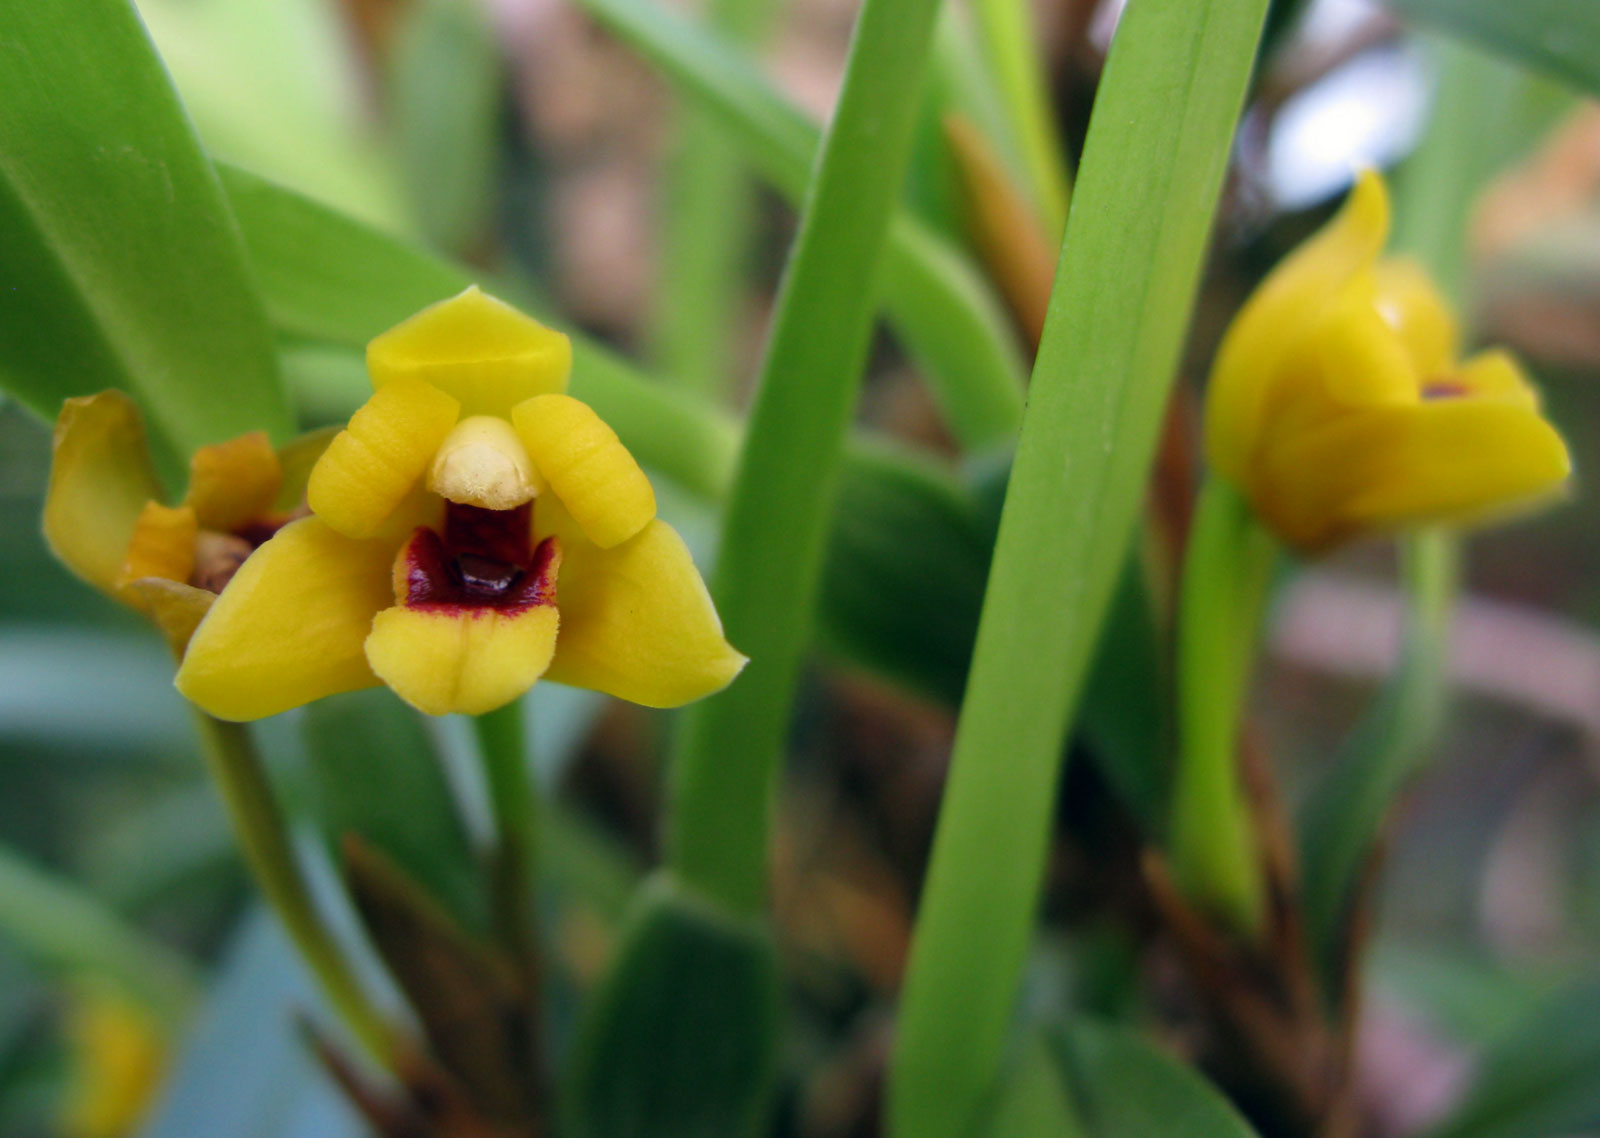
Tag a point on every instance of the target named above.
point(264, 840)
point(1227, 572)
point(1344, 816)
point(776, 525)
point(502, 741)
point(1142, 209)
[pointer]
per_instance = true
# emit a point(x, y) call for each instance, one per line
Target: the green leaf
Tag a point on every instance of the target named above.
point(369, 739)
point(445, 80)
point(681, 1040)
point(1129, 1088)
point(903, 580)
point(66, 930)
point(1033, 1100)
point(950, 320)
point(123, 265)
point(775, 527)
point(245, 1071)
point(1558, 37)
point(328, 278)
point(1541, 1079)
point(1135, 241)
point(274, 86)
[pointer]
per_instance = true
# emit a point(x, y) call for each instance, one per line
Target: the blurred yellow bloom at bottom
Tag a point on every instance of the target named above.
point(1340, 406)
point(118, 1056)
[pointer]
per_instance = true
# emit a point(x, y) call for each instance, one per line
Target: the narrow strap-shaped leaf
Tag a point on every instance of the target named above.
point(776, 524)
point(1153, 163)
point(123, 266)
point(1558, 37)
point(950, 318)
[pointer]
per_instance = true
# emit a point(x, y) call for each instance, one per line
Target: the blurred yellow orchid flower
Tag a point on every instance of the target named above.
point(103, 516)
point(1339, 406)
point(446, 515)
point(118, 1057)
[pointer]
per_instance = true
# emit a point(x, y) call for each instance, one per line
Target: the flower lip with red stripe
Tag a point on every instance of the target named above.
point(474, 530)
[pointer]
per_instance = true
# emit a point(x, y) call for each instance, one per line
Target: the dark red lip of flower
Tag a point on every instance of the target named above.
point(483, 561)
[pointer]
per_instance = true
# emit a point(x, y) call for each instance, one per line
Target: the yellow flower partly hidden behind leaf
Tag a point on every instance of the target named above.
point(117, 1055)
point(474, 530)
point(104, 519)
point(1339, 405)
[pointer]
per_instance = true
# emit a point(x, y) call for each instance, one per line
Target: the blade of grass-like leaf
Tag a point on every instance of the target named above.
point(1130, 1088)
point(776, 525)
point(123, 265)
point(1157, 147)
point(327, 277)
point(950, 319)
point(1542, 1077)
point(64, 928)
point(1558, 37)
point(445, 79)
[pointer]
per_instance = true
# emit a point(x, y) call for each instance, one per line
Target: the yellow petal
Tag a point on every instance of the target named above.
point(100, 479)
point(1448, 460)
point(235, 482)
point(456, 659)
point(118, 1056)
point(1493, 375)
point(379, 459)
point(637, 621)
point(1283, 309)
point(176, 608)
point(481, 350)
point(587, 467)
point(289, 627)
point(1410, 302)
point(162, 546)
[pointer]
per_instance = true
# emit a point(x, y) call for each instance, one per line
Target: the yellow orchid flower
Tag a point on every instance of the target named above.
point(474, 529)
point(103, 516)
point(1339, 405)
point(118, 1057)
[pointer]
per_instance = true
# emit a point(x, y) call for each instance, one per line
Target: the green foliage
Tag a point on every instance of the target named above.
point(1130, 1088)
point(1558, 37)
point(362, 740)
point(445, 86)
point(1130, 262)
point(1541, 1078)
point(122, 262)
point(681, 1040)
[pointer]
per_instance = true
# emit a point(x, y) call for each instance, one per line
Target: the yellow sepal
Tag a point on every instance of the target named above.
point(100, 479)
point(162, 546)
point(1277, 314)
point(234, 482)
point(466, 660)
point(176, 608)
point(375, 463)
point(636, 620)
point(1381, 469)
point(478, 349)
point(587, 467)
point(291, 625)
